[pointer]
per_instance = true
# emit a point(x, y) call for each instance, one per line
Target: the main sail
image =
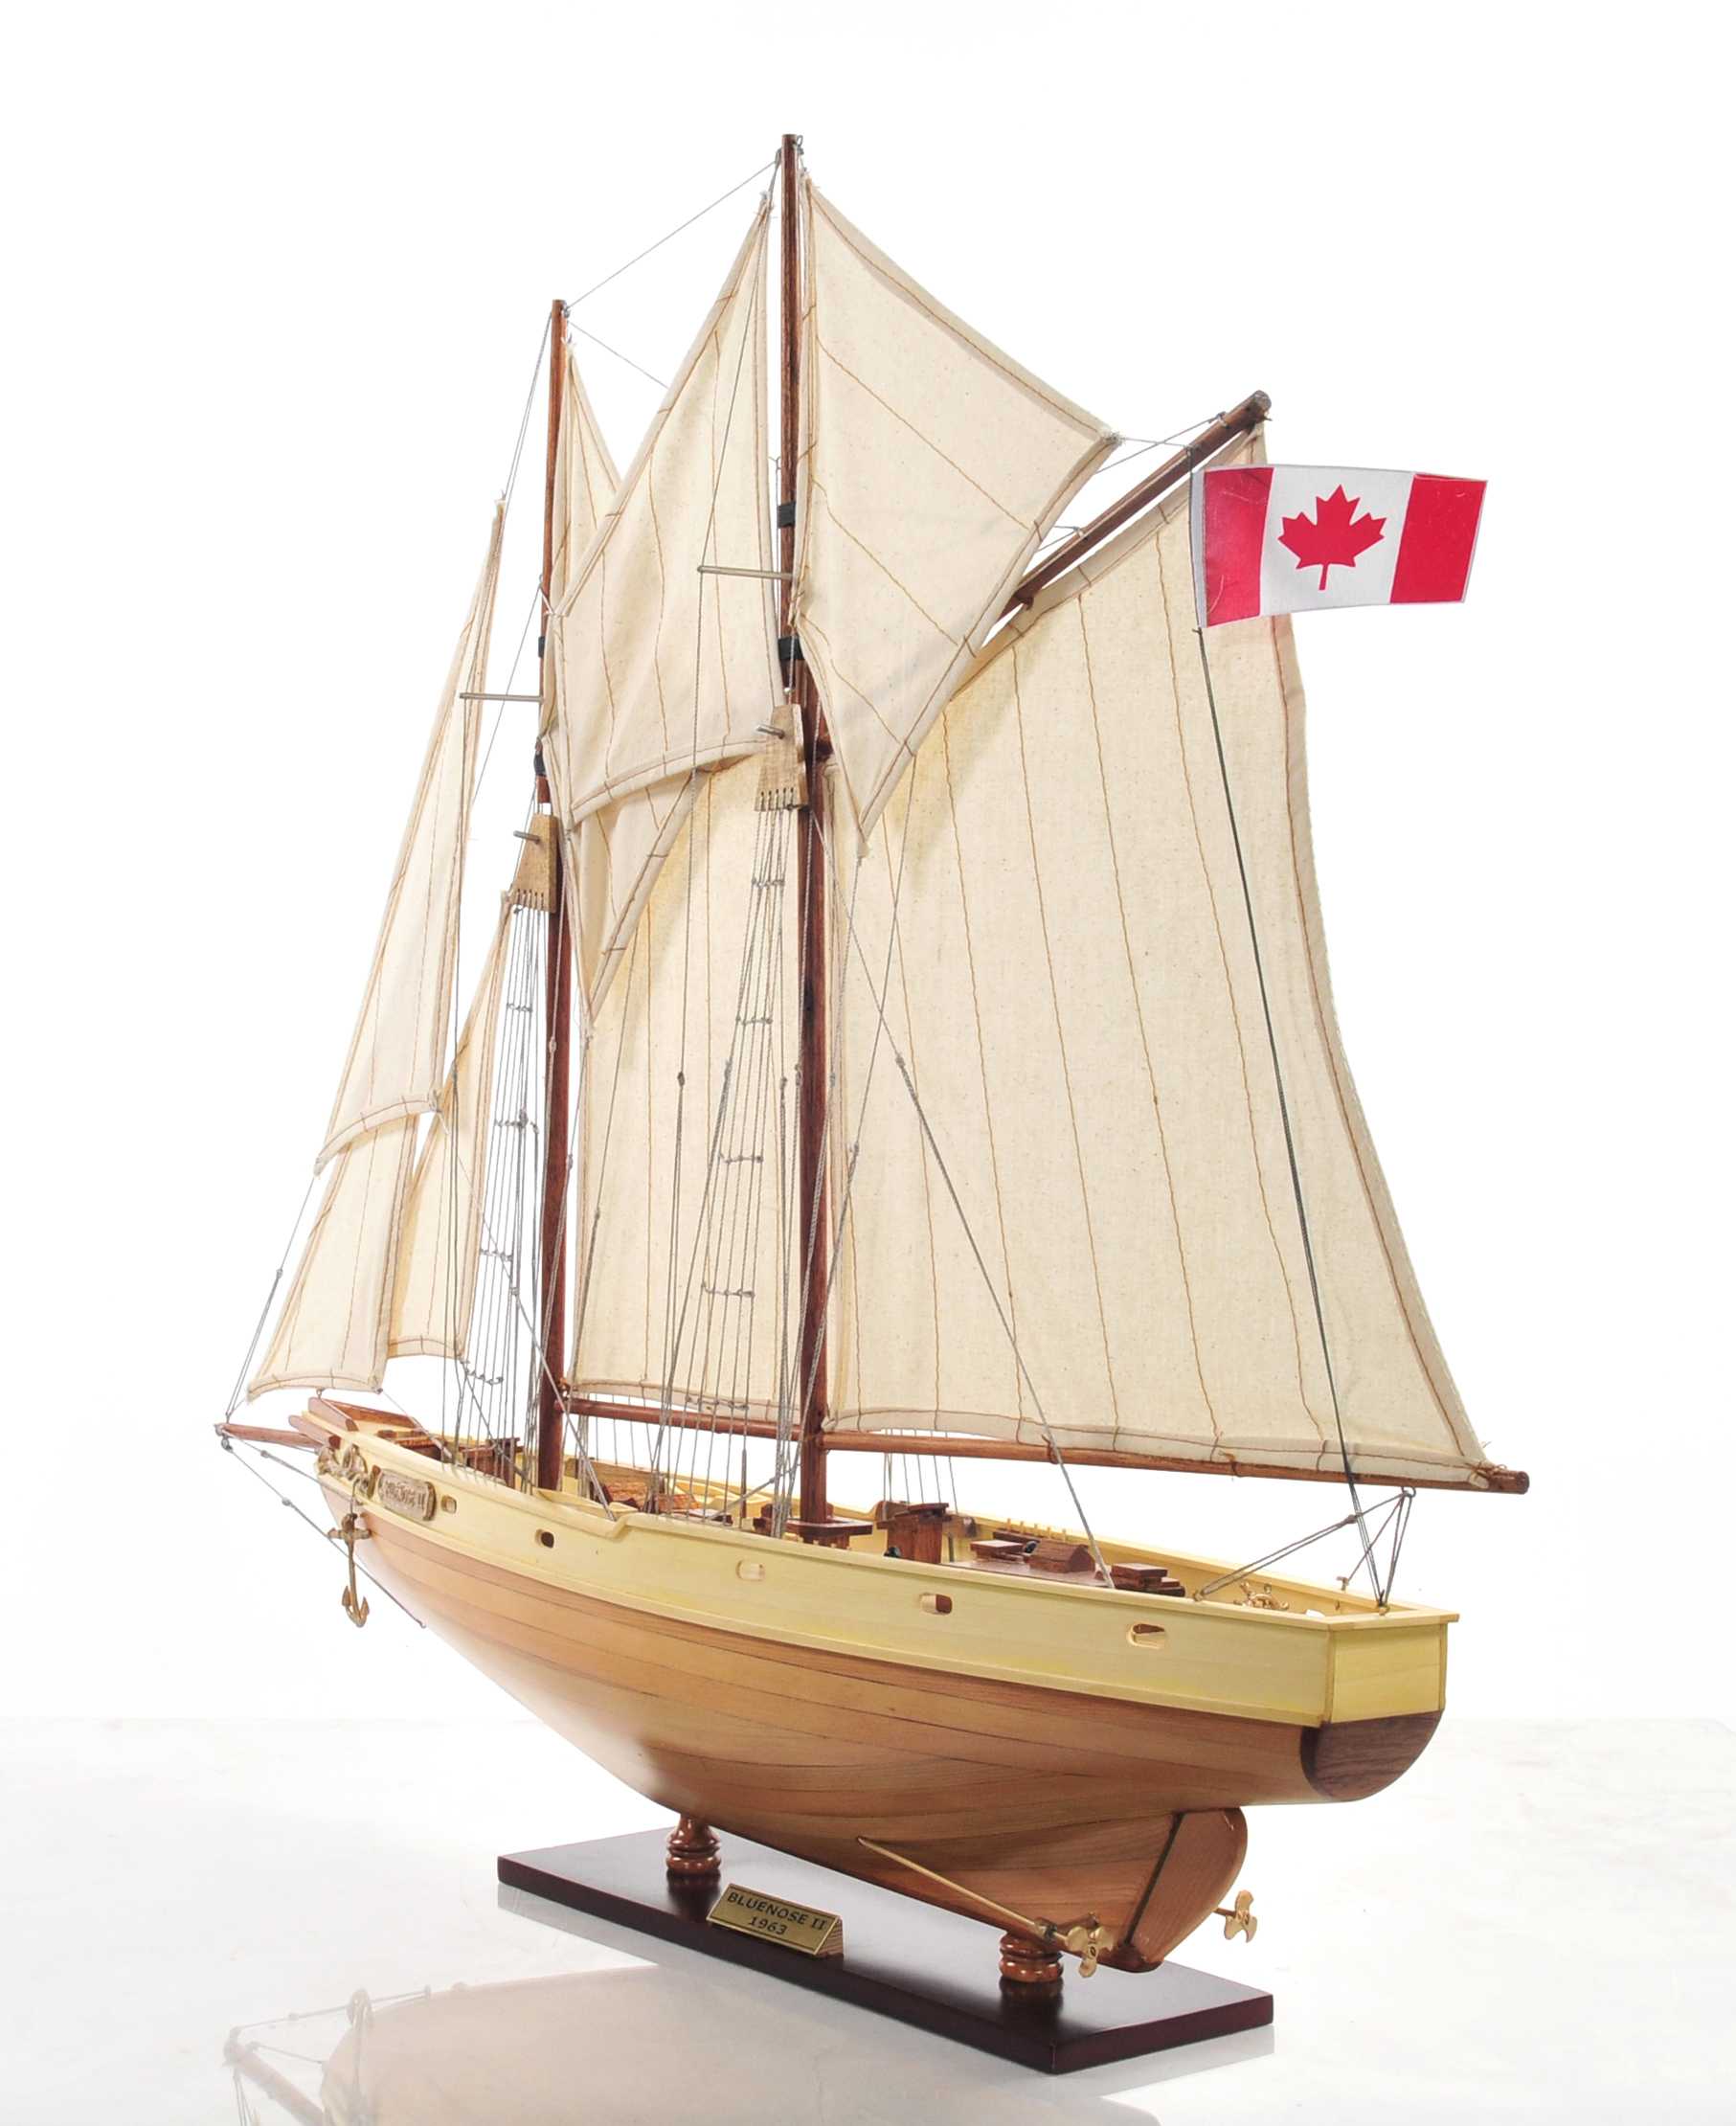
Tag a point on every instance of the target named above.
point(1070, 984)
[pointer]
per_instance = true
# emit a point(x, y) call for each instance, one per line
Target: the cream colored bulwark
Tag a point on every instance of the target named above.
point(1254, 1663)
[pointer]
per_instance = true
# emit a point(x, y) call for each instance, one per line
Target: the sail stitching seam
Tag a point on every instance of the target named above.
point(994, 500)
point(1054, 1000)
point(988, 1117)
point(1138, 1003)
point(1235, 1014)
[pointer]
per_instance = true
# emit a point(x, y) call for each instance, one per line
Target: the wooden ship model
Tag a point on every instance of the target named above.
point(904, 1040)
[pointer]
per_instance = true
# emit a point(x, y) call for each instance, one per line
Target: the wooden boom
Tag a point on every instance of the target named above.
point(1250, 414)
point(961, 1447)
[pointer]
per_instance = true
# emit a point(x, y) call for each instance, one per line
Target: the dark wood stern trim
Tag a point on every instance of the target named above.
point(1348, 1760)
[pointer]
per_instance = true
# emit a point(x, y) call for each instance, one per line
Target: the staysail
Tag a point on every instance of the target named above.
point(585, 480)
point(397, 1053)
point(433, 1285)
point(1073, 991)
point(333, 1328)
point(931, 466)
point(655, 668)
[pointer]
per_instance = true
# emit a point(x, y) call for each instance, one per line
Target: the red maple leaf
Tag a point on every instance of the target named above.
point(1329, 538)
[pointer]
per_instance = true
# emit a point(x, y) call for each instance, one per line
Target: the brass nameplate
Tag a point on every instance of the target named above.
point(749, 1912)
point(408, 1495)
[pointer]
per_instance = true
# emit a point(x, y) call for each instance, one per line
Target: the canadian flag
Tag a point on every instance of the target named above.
point(1291, 538)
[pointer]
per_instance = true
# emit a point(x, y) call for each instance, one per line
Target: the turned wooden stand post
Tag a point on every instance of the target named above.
point(692, 1850)
point(1028, 1966)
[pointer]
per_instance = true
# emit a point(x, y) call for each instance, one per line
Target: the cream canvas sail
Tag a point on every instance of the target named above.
point(435, 1275)
point(397, 1053)
point(657, 668)
point(585, 480)
point(332, 1331)
point(613, 858)
point(1072, 987)
point(679, 1215)
point(932, 465)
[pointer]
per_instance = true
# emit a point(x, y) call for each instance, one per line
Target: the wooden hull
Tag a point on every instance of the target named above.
point(1060, 1805)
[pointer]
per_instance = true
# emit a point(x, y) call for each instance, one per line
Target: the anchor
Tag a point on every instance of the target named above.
point(350, 1531)
point(1241, 1921)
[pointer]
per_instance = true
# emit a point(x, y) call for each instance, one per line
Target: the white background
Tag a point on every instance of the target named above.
point(275, 280)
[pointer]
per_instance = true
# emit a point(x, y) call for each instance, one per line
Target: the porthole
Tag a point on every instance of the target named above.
point(546, 1538)
point(750, 1568)
point(1150, 1636)
point(936, 1605)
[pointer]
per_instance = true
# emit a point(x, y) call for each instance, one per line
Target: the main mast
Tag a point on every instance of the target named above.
point(557, 1014)
point(813, 1211)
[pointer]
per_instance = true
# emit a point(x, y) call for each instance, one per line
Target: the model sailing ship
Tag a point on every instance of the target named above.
point(905, 1040)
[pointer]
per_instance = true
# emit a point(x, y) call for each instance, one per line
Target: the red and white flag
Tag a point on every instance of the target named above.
point(1293, 538)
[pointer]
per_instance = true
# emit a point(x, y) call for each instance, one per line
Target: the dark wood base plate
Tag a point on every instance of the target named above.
point(900, 1958)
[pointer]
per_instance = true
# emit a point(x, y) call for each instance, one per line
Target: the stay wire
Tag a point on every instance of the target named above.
point(283, 1499)
point(878, 998)
point(258, 1327)
point(1277, 1074)
point(670, 235)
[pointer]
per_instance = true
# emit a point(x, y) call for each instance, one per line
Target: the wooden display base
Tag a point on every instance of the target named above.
point(901, 1958)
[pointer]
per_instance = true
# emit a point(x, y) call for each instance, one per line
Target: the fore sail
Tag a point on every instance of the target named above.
point(655, 668)
point(1073, 986)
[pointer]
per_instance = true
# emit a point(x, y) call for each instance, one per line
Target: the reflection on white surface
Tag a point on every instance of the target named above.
point(632, 2044)
point(1536, 1923)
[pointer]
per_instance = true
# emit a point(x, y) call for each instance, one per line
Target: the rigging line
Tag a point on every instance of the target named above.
point(258, 1327)
point(834, 1007)
point(283, 1499)
point(511, 1283)
point(910, 1086)
point(596, 1182)
point(559, 940)
point(523, 636)
point(671, 234)
point(1398, 1543)
point(619, 357)
point(1392, 1519)
point(1146, 444)
point(1007, 1326)
point(1277, 1074)
point(523, 421)
point(751, 328)
point(1303, 1542)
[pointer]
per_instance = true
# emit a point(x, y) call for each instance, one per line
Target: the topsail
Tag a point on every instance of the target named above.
point(932, 465)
